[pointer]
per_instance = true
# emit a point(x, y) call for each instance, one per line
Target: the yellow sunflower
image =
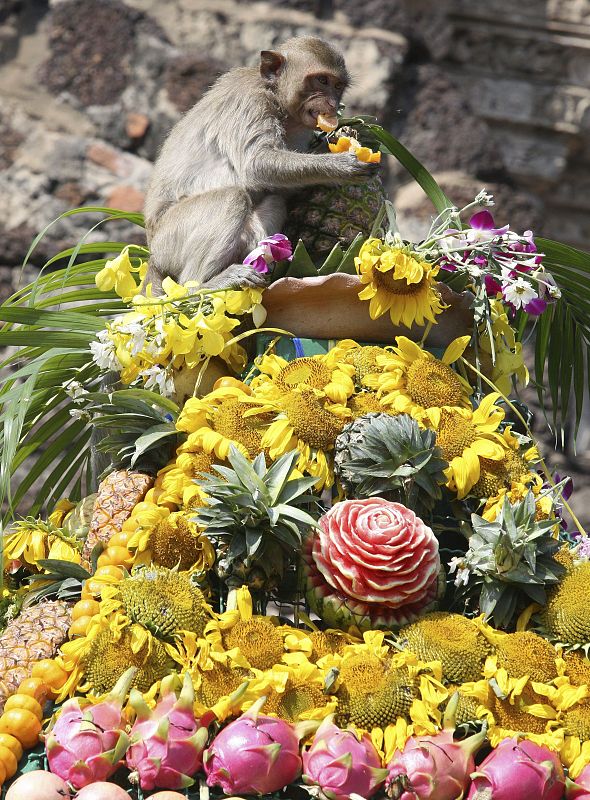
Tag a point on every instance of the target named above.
point(173, 542)
point(513, 471)
point(325, 375)
point(296, 690)
point(413, 380)
point(217, 421)
point(465, 437)
point(307, 423)
point(30, 540)
point(400, 281)
point(526, 714)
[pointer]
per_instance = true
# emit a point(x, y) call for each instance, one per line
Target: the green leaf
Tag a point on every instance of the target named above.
point(347, 264)
point(301, 265)
point(333, 261)
point(155, 434)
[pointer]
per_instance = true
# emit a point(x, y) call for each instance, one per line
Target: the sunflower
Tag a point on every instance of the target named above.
point(30, 540)
point(218, 420)
point(307, 423)
point(576, 666)
point(413, 380)
point(325, 375)
point(297, 691)
point(364, 359)
point(511, 472)
point(398, 280)
point(527, 715)
point(525, 654)
point(565, 617)
point(464, 438)
point(173, 542)
point(452, 639)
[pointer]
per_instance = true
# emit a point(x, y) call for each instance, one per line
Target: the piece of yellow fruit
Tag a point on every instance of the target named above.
point(327, 123)
point(375, 158)
point(363, 154)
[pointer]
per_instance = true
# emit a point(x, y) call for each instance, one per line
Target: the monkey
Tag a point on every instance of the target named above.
point(220, 180)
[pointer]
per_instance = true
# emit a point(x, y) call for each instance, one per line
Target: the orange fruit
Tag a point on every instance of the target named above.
point(85, 608)
point(8, 760)
point(35, 687)
point(363, 154)
point(25, 701)
point(375, 158)
point(50, 671)
point(2, 773)
point(79, 626)
point(115, 555)
point(22, 724)
point(111, 570)
point(227, 382)
point(12, 743)
point(119, 539)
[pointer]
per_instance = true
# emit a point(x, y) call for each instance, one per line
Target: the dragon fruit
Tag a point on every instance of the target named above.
point(518, 770)
point(255, 754)
point(87, 742)
point(167, 742)
point(434, 767)
point(580, 788)
point(341, 764)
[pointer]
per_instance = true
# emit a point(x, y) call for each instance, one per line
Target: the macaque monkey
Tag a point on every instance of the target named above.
point(220, 181)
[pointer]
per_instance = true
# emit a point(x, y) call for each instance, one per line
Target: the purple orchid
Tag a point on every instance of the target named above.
point(481, 228)
point(273, 248)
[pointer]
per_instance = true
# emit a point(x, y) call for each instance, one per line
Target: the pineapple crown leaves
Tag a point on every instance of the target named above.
point(61, 579)
point(250, 504)
point(394, 455)
point(511, 560)
point(139, 427)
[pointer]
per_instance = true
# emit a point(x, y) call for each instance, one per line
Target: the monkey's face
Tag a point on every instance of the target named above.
point(321, 94)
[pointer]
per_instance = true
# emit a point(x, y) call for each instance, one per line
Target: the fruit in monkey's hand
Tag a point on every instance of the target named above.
point(347, 144)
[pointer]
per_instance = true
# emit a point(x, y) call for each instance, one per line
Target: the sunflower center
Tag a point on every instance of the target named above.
point(220, 681)
point(108, 659)
point(431, 383)
point(566, 617)
point(399, 286)
point(175, 544)
point(502, 474)
point(372, 694)
point(365, 403)
point(454, 434)
point(526, 653)
point(297, 698)
point(198, 463)
point(453, 640)
point(364, 361)
point(258, 640)
point(309, 371)
point(577, 721)
point(311, 422)
point(230, 422)
point(325, 643)
point(515, 717)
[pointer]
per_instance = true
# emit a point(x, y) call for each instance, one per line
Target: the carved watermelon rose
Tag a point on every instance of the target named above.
point(372, 562)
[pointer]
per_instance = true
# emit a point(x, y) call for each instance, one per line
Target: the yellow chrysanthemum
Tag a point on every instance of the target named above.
point(400, 281)
point(465, 437)
point(218, 421)
point(414, 380)
point(324, 375)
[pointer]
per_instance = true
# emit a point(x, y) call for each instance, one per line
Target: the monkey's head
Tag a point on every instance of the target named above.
point(308, 77)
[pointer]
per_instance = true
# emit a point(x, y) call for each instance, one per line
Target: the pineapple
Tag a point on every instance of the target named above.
point(509, 562)
point(117, 496)
point(389, 456)
point(255, 515)
point(34, 634)
point(323, 216)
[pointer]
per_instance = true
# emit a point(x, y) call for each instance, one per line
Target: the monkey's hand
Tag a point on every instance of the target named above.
point(351, 170)
point(238, 276)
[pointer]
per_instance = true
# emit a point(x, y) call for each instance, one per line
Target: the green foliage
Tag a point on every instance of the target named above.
point(139, 427)
point(256, 512)
point(510, 561)
point(49, 325)
point(379, 454)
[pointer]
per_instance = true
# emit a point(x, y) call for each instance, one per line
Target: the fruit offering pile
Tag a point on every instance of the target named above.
point(289, 567)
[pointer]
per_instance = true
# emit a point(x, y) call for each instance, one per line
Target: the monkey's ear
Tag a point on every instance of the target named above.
point(270, 63)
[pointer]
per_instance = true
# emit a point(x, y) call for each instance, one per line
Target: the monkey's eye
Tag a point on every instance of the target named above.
point(322, 79)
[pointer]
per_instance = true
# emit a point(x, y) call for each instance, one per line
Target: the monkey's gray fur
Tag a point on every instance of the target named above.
point(219, 183)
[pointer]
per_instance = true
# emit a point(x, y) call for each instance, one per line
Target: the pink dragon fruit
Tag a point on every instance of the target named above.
point(434, 767)
point(255, 754)
point(341, 765)
point(580, 788)
point(87, 742)
point(167, 743)
point(518, 770)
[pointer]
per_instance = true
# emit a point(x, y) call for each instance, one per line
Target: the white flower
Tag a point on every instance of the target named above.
point(79, 413)
point(103, 352)
point(458, 564)
point(157, 377)
point(518, 292)
point(484, 198)
point(74, 389)
point(138, 335)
